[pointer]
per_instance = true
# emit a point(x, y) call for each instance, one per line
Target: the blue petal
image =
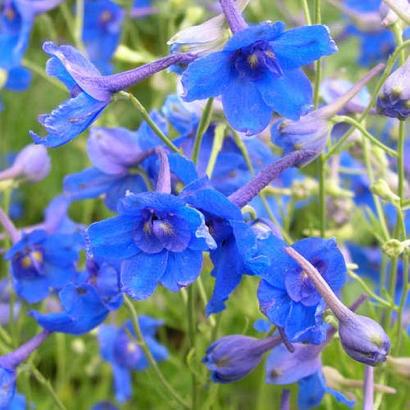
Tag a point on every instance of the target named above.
point(69, 120)
point(140, 275)
point(274, 303)
point(89, 183)
point(289, 95)
point(207, 76)
point(183, 168)
point(244, 107)
point(252, 34)
point(106, 338)
point(83, 311)
point(182, 269)
point(7, 387)
point(112, 239)
point(303, 45)
point(18, 79)
point(228, 270)
point(122, 383)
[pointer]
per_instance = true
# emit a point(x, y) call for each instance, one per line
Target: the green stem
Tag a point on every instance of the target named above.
point(359, 126)
point(216, 148)
point(392, 285)
point(145, 115)
point(135, 321)
point(191, 332)
point(202, 127)
point(47, 385)
point(400, 163)
point(376, 199)
point(306, 12)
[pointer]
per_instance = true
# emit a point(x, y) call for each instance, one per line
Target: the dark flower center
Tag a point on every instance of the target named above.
point(29, 263)
point(253, 61)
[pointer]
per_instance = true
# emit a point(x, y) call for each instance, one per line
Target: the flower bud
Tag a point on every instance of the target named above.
point(394, 98)
point(394, 248)
point(32, 163)
point(382, 189)
point(364, 339)
point(232, 357)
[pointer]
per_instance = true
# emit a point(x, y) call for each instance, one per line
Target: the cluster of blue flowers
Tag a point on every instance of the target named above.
point(206, 191)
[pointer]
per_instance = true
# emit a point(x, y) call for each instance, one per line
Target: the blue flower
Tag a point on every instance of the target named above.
point(236, 252)
point(158, 239)
point(258, 73)
point(82, 311)
point(288, 297)
point(125, 355)
point(40, 261)
point(89, 96)
point(7, 386)
point(102, 31)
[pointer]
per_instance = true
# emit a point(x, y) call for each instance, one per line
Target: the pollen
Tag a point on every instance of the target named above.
point(253, 60)
point(166, 228)
point(147, 227)
point(28, 260)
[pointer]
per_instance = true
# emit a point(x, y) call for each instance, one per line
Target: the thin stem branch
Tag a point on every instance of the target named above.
point(135, 321)
point(202, 127)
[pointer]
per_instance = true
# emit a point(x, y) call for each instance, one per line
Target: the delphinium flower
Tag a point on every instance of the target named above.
point(120, 348)
point(8, 368)
point(153, 229)
point(394, 98)
point(32, 164)
point(232, 357)
point(102, 28)
point(289, 298)
point(90, 92)
point(258, 73)
point(361, 337)
point(86, 302)
point(236, 250)
point(39, 260)
point(311, 131)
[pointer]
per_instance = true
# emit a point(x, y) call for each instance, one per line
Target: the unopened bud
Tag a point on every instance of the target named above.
point(400, 365)
point(394, 248)
point(382, 189)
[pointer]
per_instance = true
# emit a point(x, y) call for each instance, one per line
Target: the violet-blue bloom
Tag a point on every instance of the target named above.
point(90, 91)
point(232, 357)
point(82, 310)
point(158, 238)
point(125, 355)
point(258, 73)
point(236, 252)
point(40, 261)
point(142, 8)
point(288, 297)
point(102, 28)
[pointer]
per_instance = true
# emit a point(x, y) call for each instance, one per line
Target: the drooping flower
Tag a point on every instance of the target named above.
point(157, 237)
point(236, 251)
point(125, 355)
point(289, 298)
point(90, 91)
point(102, 31)
point(258, 73)
point(233, 357)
